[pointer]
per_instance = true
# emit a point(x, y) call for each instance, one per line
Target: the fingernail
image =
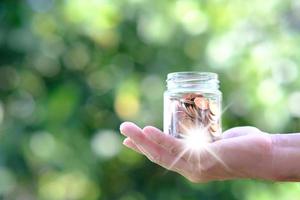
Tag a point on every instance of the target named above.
point(123, 128)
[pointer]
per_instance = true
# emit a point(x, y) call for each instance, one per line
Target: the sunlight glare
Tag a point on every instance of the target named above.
point(197, 138)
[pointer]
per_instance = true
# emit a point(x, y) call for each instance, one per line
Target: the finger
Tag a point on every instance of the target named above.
point(128, 127)
point(173, 145)
point(130, 144)
point(239, 131)
point(153, 151)
point(177, 147)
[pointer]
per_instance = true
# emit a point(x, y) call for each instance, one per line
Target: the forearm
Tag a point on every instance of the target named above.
point(286, 157)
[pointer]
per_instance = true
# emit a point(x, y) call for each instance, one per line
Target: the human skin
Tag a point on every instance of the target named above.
point(242, 153)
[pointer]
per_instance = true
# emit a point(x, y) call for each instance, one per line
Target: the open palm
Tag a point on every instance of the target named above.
point(243, 152)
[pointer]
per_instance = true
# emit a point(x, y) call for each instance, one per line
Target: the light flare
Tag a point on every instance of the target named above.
point(197, 140)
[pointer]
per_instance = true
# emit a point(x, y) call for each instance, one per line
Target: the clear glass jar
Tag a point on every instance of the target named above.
point(192, 106)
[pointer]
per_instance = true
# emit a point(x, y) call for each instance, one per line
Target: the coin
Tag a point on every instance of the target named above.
point(193, 111)
point(188, 109)
point(185, 125)
point(213, 108)
point(186, 103)
point(201, 102)
point(214, 128)
point(188, 96)
point(212, 118)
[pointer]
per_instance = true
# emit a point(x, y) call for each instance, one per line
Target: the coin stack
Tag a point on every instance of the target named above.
point(195, 112)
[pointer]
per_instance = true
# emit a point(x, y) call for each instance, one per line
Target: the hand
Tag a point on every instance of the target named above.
point(243, 152)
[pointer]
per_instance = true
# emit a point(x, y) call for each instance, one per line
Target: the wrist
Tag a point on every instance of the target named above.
point(285, 165)
point(260, 164)
point(274, 148)
point(268, 155)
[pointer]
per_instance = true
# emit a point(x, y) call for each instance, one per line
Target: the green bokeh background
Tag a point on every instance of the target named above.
point(72, 70)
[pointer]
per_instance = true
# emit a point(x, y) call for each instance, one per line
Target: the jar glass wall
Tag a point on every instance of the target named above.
point(192, 106)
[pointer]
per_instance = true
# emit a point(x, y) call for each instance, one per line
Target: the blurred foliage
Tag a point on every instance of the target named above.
point(72, 70)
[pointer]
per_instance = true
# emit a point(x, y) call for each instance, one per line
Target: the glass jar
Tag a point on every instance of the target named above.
point(192, 106)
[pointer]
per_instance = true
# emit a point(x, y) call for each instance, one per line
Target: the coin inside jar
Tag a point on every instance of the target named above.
point(201, 103)
point(194, 111)
point(213, 108)
point(197, 108)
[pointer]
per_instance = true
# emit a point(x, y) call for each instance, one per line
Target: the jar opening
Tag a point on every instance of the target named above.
point(193, 75)
point(193, 80)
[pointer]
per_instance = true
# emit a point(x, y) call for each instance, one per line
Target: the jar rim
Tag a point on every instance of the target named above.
point(194, 75)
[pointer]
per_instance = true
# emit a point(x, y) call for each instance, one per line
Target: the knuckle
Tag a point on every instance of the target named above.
point(139, 138)
point(159, 138)
point(146, 127)
point(174, 150)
